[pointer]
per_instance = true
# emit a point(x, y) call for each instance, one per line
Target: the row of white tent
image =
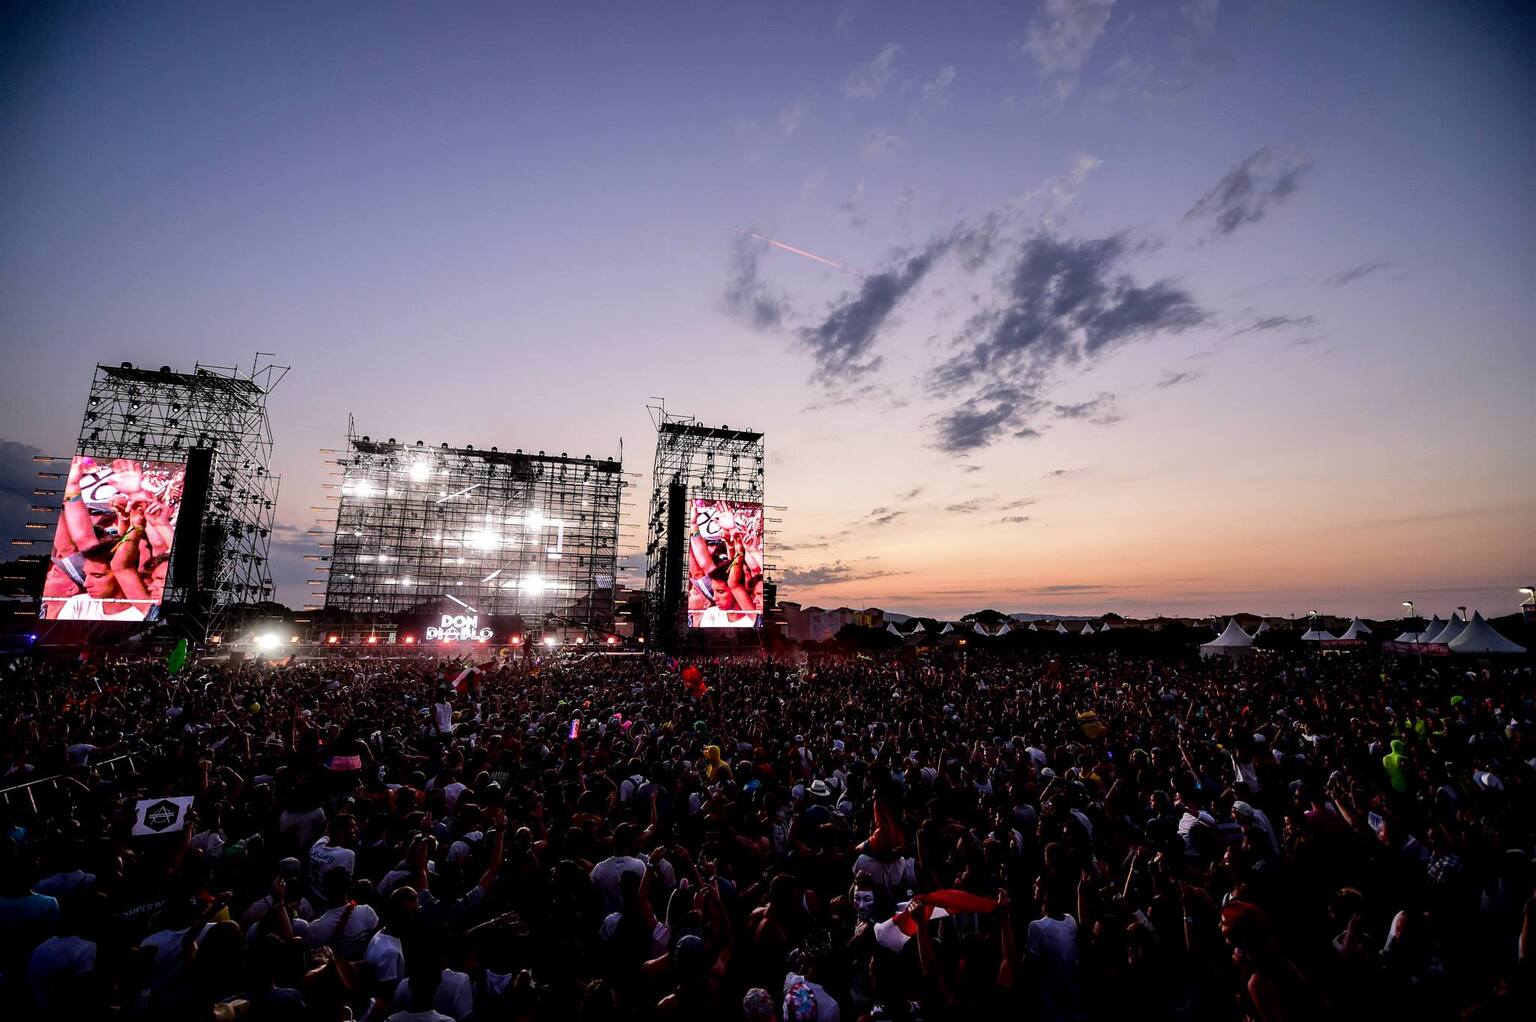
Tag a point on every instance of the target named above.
point(1002, 629)
point(1476, 636)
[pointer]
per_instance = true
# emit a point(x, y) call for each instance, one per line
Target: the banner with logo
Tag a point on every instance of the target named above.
point(153, 816)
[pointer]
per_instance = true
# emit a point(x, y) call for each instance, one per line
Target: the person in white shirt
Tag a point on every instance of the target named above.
point(1052, 944)
point(347, 926)
point(333, 852)
point(386, 950)
point(606, 874)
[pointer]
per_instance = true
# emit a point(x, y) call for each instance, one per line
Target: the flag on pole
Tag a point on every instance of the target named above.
point(466, 679)
point(153, 816)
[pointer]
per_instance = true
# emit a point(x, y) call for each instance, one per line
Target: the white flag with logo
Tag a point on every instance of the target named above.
point(153, 816)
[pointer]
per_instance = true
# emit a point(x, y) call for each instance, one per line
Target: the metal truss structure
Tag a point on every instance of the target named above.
point(712, 463)
point(499, 534)
point(158, 415)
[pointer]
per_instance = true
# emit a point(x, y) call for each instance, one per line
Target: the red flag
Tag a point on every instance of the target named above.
point(693, 681)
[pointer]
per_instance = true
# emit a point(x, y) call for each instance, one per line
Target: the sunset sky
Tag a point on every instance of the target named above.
point(1185, 306)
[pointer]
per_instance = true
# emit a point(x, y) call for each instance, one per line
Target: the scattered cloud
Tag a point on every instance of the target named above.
point(885, 519)
point(1058, 473)
point(841, 343)
point(1014, 505)
point(1101, 411)
point(831, 574)
point(968, 507)
point(1064, 188)
point(790, 119)
point(910, 494)
point(1346, 277)
point(1059, 38)
point(747, 297)
point(1014, 519)
point(1068, 589)
point(1250, 190)
point(879, 143)
point(1061, 301)
point(970, 468)
point(870, 80)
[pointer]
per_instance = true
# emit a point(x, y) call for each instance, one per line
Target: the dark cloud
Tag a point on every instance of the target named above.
point(1248, 191)
point(1057, 473)
point(877, 512)
point(968, 507)
point(975, 424)
point(1062, 301)
point(970, 468)
point(786, 547)
point(885, 519)
point(910, 494)
point(842, 342)
point(1175, 379)
point(1014, 505)
point(1354, 273)
point(1101, 411)
point(1275, 323)
point(746, 296)
point(18, 477)
point(1014, 519)
point(1071, 589)
point(829, 574)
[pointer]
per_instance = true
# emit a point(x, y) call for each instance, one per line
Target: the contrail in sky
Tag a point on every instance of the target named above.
point(796, 251)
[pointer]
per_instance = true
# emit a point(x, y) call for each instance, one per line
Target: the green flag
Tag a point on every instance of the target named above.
point(178, 658)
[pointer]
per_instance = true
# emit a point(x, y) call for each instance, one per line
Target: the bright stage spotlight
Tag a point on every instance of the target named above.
point(533, 585)
point(419, 472)
point(485, 539)
point(410, 640)
point(266, 640)
point(549, 640)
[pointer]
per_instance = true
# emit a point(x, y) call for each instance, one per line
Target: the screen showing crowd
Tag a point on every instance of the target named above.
point(725, 565)
point(112, 547)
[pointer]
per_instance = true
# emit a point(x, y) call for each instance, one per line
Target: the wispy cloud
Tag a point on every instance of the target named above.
point(1014, 520)
point(1274, 323)
point(870, 80)
point(1250, 190)
point(879, 143)
point(968, 507)
point(1346, 277)
point(935, 91)
point(1059, 38)
point(1176, 379)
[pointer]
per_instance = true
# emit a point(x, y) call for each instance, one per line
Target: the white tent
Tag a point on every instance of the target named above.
point(1231, 642)
point(976, 627)
point(947, 629)
point(1407, 637)
point(1433, 629)
point(1002, 629)
point(1357, 629)
point(1263, 627)
point(1479, 637)
point(1061, 629)
point(890, 626)
point(1087, 629)
point(1452, 628)
point(1034, 627)
point(1316, 635)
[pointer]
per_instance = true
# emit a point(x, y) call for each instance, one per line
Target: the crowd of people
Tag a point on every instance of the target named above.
point(1292, 837)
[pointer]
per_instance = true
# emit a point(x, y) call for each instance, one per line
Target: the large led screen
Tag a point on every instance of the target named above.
point(725, 565)
point(112, 546)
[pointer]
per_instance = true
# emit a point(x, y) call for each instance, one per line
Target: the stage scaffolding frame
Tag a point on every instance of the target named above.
point(713, 463)
point(158, 415)
point(488, 532)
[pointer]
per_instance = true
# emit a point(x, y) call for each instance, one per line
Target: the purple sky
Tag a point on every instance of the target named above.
point(1161, 306)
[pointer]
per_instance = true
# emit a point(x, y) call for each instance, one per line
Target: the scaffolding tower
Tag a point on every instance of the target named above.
point(501, 534)
point(159, 415)
point(705, 463)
